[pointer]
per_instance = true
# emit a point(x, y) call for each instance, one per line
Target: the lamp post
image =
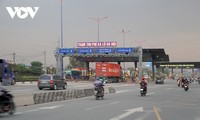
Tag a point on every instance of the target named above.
point(61, 26)
point(123, 33)
point(140, 42)
point(98, 21)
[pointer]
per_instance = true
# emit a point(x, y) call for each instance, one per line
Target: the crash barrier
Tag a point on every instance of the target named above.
point(38, 98)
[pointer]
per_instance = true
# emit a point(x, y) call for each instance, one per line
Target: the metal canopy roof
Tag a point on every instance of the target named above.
point(158, 55)
point(178, 64)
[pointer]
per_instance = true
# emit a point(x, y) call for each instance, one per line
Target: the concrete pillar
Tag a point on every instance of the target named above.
point(193, 72)
point(182, 71)
point(135, 63)
point(163, 70)
point(153, 69)
point(88, 69)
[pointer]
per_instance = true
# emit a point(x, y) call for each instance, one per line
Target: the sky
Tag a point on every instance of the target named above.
point(170, 24)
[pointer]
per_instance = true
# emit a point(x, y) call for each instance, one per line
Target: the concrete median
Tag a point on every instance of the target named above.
point(38, 98)
point(24, 100)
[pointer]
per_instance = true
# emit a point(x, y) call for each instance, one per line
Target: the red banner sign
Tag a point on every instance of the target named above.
point(97, 44)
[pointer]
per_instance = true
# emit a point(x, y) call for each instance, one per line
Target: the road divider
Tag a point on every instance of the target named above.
point(45, 97)
point(24, 100)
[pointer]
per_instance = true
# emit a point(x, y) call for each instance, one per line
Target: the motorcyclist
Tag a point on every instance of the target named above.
point(143, 84)
point(99, 84)
point(185, 81)
point(4, 99)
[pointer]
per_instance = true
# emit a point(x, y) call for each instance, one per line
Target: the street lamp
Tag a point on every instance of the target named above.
point(61, 27)
point(98, 20)
point(140, 42)
point(61, 24)
point(123, 33)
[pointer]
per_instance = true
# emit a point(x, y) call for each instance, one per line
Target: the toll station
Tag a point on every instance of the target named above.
point(178, 65)
point(108, 52)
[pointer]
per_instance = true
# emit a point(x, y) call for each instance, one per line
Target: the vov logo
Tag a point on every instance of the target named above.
point(22, 12)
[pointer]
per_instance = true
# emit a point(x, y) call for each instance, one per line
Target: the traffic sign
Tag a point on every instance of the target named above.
point(124, 50)
point(105, 50)
point(67, 50)
point(85, 50)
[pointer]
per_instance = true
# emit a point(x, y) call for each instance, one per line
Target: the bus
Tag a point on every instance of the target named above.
point(76, 73)
point(7, 76)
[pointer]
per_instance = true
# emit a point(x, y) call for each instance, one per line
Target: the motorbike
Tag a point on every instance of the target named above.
point(142, 91)
point(10, 107)
point(186, 87)
point(99, 93)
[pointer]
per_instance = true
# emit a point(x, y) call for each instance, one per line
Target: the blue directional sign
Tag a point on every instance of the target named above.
point(124, 50)
point(105, 50)
point(67, 50)
point(85, 50)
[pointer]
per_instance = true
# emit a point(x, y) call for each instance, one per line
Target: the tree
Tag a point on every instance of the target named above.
point(74, 63)
point(20, 69)
point(36, 68)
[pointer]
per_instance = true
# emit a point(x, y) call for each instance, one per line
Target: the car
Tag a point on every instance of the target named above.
point(159, 80)
point(51, 81)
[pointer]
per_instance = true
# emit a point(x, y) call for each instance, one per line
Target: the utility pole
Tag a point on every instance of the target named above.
point(14, 58)
point(45, 67)
point(123, 33)
point(98, 20)
point(59, 58)
point(140, 42)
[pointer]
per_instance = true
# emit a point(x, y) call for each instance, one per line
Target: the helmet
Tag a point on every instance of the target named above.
point(97, 78)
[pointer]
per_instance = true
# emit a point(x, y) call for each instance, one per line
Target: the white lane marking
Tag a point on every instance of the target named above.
point(42, 108)
point(145, 115)
point(115, 102)
point(151, 93)
point(122, 91)
point(129, 112)
point(168, 88)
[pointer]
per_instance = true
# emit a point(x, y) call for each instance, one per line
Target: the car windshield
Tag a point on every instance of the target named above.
point(45, 77)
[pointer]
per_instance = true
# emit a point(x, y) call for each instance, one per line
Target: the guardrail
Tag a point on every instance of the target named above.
point(38, 98)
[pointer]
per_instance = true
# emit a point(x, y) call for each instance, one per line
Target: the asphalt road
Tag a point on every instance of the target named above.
point(27, 88)
point(163, 102)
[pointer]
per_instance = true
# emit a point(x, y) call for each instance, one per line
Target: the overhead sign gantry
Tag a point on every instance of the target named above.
point(103, 52)
point(109, 52)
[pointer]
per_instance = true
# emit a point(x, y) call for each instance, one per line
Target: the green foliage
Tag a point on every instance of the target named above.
point(36, 68)
point(27, 78)
point(74, 63)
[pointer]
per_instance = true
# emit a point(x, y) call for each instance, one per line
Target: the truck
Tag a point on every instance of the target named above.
point(7, 76)
point(111, 71)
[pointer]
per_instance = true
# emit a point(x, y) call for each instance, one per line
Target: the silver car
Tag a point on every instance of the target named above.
point(51, 81)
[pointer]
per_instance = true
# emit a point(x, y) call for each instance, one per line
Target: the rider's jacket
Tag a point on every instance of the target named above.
point(98, 84)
